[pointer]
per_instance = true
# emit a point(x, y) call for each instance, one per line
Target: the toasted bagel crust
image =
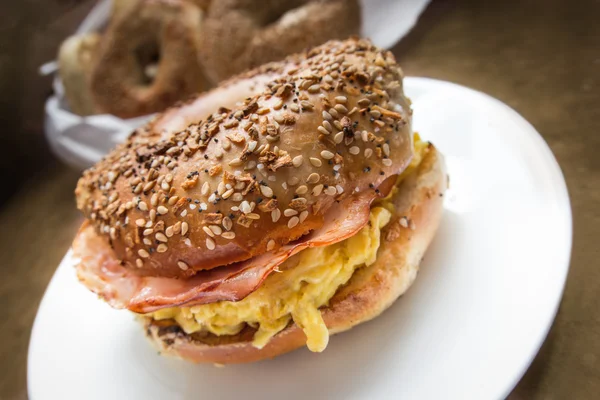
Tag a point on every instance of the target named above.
point(250, 179)
point(370, 291)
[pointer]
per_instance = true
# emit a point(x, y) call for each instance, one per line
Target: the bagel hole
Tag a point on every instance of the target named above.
point(148, 58)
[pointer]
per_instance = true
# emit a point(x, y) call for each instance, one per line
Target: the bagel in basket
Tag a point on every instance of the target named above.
point(256, 32)
point(145, 60)
point(293, 213)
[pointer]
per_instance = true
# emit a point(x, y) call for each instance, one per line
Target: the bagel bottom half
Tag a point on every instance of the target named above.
point(417, 213)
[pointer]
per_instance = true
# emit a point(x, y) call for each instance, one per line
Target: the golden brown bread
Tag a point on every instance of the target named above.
point(370, 291)
point(260, 31)
point(147, 59)
point(250, 179)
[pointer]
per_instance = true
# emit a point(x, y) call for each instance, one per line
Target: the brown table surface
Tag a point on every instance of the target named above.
point(541, 58)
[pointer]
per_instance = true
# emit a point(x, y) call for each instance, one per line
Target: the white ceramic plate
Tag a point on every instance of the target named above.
point(486, 296)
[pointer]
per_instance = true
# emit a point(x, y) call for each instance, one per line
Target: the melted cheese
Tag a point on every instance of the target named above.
point(302, 285)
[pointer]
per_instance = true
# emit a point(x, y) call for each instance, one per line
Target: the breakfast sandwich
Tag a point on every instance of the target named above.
point(289, 204)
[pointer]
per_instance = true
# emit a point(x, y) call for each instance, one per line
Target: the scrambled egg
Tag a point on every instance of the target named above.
point(311, 278)
point(306, 282)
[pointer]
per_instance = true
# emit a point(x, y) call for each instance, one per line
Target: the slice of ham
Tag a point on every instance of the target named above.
point(100, 271)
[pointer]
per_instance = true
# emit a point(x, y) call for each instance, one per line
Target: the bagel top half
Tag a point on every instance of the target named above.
point(248, 179)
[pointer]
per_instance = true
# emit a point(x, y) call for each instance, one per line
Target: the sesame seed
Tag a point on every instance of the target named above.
point(275, 215)
point(326, 154)
point(403, 221)
point(161, 237)
point(227, 223)
point(303, 216)
point(226, 144)
point(143, 253)
point(270, 245)
point(237, 197)
point(216, 229)
point(212, 198)
point(339, 189)
point(140, 222)
point(143, 206)
point(250, 165)
point(192, 206)
point(152, 215)
point(148, 232)
point(210, 244)
point(236, 162)
point(327, 116)
point(315, 162)
point(314, 88)
point(327, 126)
point(354, 150)
point(228, 235)
point(182, 265)
point(317, 190)
point(154, 200)
point(307, 105)
point(169, 231)
point(161, 248)
point(227, 194)
point(184, 228)
point(288, 212)
point(139, 263)
point(302, 189)
point(147, 242)
point(375, 113)
point(323, 130)
point(207, 230)
point(368, 153)
point(339, 137)
point(266, 191)
point(297, 161)
point(253, 216)
point(162, 210)
point(313, 178)
point(386, 149)
point(341, 109)
point(334, 113)
point(293, 222)
point(387, 162)
point(245, 207)
point(149, 186)
point(293, 181)
point(330, 191)
point(341, 99)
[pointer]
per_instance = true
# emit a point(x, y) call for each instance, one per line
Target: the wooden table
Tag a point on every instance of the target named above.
point(540, 57)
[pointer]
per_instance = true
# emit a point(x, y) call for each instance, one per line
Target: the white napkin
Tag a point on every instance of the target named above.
point(82, 141)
